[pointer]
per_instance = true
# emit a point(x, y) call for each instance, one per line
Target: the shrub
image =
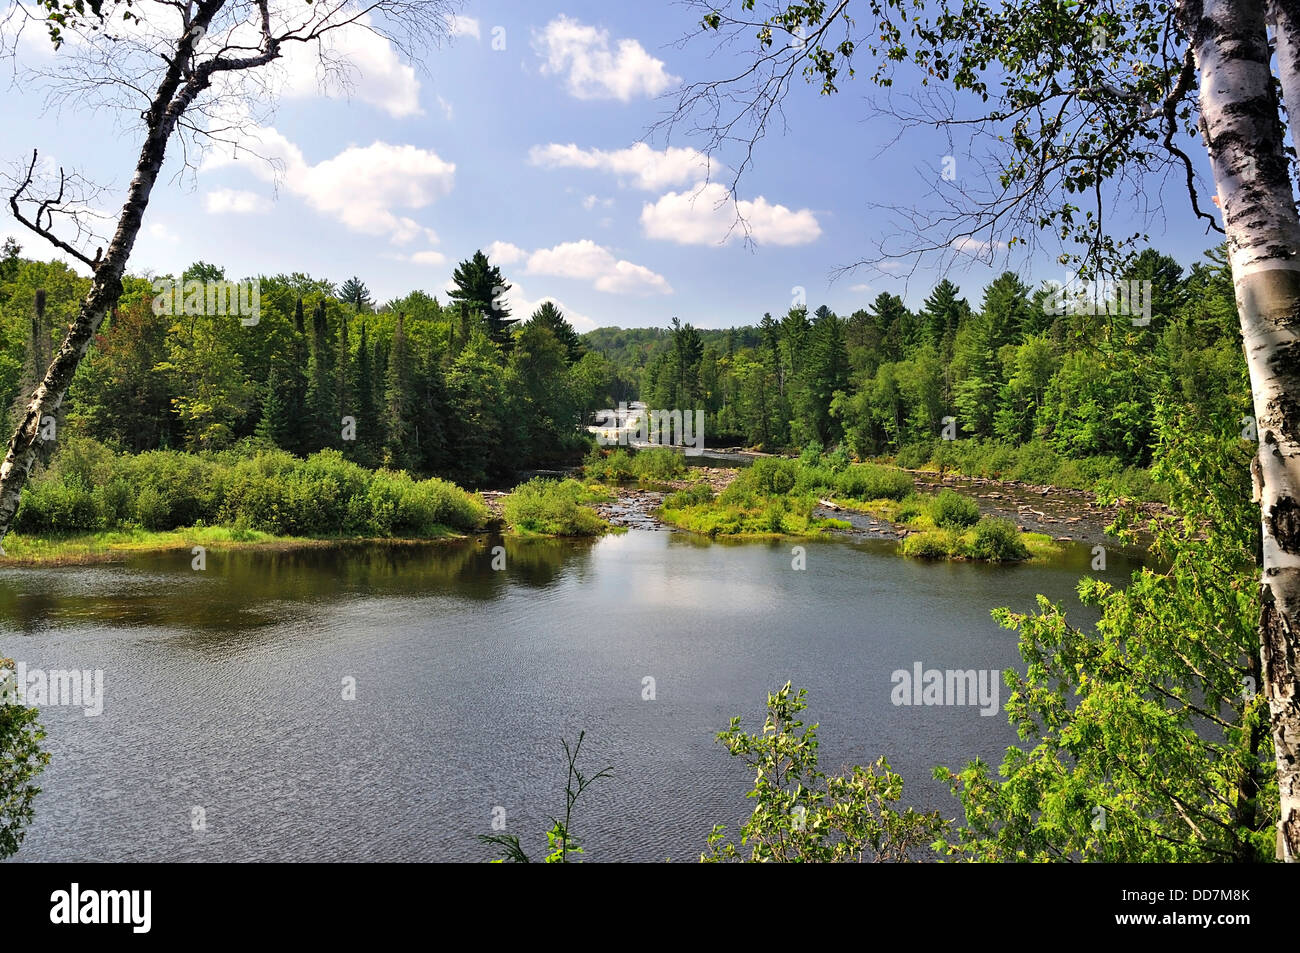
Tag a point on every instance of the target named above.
point(771, 475)
point(932, 544)
point(695, 495)
point(658, 464)
point(997, 540)
point(951, 509)
point(1036, 462)
point(838, 459)
point(51, 506)
point(614, 466)
point(544, 507)
point(868, 482)
point(914, 455)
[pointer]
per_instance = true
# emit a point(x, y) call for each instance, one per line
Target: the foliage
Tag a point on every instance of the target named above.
point(560, 839)
point(1150, 743)
point(90, 488)
point(544, 507)
point(803, 816)
point(952, 510)
point(21, 759)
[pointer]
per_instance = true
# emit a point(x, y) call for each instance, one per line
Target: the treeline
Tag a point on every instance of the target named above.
point(1006, 373)
point(463, 389)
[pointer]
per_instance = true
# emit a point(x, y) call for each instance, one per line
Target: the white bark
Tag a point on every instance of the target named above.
point(1242, 128)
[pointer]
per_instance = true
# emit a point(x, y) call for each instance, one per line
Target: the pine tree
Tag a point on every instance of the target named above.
point(399, 403)
point(369, 432)
point(321, 402)
point(343, 394)
point(355, 293)
point(481, 287)
point(552, 318)
point(275, 423)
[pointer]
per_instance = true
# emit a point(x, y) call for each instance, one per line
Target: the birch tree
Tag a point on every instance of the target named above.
point(192, 72)
point(1079, 105)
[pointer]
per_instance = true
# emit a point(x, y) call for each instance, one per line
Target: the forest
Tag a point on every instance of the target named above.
point(463, 390)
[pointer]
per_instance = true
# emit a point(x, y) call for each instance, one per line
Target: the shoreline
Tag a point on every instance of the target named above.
point(89, 549)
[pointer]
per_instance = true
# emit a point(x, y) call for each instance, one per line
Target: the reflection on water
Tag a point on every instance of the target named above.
point(224, 689)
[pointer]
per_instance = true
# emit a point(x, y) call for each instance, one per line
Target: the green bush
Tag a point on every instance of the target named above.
point(270, 491)
point(868, 482)
point(614, 466)
point(914, 455)
point(1036, 462)
point(50, 506)
point(997, 540)
point(544, 507)
point(953, 510)
point(771, 475)
point(695, 495)
point(932, 544)
point(658, 464)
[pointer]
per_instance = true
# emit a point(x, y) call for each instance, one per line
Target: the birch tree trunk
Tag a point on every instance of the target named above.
point(1243, 133)
point(176, 91)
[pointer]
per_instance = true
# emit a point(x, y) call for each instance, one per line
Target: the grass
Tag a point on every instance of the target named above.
point(69, 549)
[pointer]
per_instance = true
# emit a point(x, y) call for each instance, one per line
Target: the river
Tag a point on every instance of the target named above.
point(226, 734)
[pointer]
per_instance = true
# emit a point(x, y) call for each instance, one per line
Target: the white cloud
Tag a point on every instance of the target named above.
point(973, 246)
point(447, 112)
point(464, 26)
point(235, 202)
point(859, 287)
point(593, 69)
point(705, 216)
point(504, 253)
point(642, 166)
point(522, 307)
point(591, 201)
point(372, 71)
point(587, 261)
point(160, 231)
point(361, 187)
point(429, 257)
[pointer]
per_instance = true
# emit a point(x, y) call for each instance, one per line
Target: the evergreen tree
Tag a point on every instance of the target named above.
point(552, 318)
point(399, 403)
point(355, 293)
point(481, 287)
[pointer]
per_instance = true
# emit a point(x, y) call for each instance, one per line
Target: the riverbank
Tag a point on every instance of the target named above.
point(1046, 517)
point(82, 549)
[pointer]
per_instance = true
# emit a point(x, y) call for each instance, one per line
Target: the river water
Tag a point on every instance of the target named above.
point(226, 734)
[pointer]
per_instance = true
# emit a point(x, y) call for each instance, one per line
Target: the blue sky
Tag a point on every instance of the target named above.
point(535, 152)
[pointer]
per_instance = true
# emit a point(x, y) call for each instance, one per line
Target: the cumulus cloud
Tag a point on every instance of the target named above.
point(595, 70)
point(464, 26)
point(587, 261)
point(973, 246)
point(362, 186)
point(639, 165)
point(234, 202)
point(705, 216)
point(363, 66)
point(504, 253)
point(522, 307)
